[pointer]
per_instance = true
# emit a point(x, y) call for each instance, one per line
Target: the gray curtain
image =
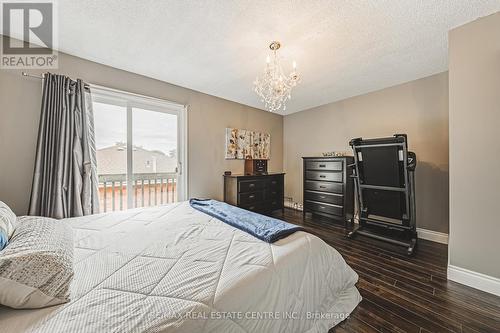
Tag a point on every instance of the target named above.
point(65, 177)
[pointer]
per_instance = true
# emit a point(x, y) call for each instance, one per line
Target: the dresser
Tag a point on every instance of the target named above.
point(258, 193)
point(328, 187)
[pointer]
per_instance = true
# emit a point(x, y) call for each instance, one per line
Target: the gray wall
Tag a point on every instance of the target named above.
point(474, 67)
point(418, 108)
point(208, 116)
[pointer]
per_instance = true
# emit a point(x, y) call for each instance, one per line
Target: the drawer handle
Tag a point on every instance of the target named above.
point(273, 182)
point(251, 185)
point(251, 207)
point(251, 196)
point(322, 207)
point(322, 165)
point(321, 186)
point(322, 176)
point(322, 197)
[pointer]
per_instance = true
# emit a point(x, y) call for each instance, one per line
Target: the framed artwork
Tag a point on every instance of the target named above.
point(241, 143)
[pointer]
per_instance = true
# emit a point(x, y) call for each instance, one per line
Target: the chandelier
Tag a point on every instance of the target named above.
point(274, 87)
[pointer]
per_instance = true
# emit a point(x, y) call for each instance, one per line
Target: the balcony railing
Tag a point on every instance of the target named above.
point(149, 189)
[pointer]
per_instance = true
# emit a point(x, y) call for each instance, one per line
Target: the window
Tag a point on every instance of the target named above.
point(141, 150)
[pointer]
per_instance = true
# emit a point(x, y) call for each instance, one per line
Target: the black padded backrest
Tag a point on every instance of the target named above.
point(381, 166)
point(384, 203)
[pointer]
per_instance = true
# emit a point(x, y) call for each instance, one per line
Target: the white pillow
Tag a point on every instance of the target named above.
point(7, 224)
point(36, 268)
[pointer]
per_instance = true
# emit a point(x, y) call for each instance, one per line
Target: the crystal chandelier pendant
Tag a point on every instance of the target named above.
point(274, 87)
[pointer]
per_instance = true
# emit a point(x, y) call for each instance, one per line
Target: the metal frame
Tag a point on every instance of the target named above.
point(408, 225)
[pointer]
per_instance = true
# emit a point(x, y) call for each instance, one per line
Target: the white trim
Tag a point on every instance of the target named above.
point(431, 235)
point(136, 98)
point(473, 279)
point(130, 161)
point(182, 157)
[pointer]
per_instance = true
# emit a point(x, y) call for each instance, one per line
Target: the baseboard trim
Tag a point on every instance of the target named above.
point(475, 280)
point(434, 236)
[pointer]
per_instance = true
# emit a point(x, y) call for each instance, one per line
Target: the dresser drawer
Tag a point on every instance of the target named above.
point(273, 194)
point(257, 193)
point(336, 199)
point(321, 165)
point(275, 183)
point(257, 207)
point(324, 186)
point(328, 188)
point(251, 197)
point(325, 176)
point(250, 185)
point(276, 204)
point(324, 208)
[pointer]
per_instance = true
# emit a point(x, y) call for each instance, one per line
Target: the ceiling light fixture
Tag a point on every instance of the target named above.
point(274, 87)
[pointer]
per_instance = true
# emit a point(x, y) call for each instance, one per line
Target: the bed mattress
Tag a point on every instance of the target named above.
point(174, 269)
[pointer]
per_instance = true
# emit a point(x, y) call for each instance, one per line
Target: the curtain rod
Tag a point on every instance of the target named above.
point(42, 76)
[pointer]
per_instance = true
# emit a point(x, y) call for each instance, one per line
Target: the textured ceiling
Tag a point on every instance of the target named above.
point(343, 48)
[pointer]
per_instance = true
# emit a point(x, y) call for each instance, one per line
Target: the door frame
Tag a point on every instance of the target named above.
point(130, 100)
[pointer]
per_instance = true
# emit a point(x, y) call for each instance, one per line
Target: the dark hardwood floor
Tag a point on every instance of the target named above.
point(402, 294)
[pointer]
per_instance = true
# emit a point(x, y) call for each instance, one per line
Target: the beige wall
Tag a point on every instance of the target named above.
point(418, 108)
point(208, 116)
point(474, 63)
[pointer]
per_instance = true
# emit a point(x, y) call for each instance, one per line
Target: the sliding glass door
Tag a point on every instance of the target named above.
point(110, 123)
point(140, 150)
point(154, 157)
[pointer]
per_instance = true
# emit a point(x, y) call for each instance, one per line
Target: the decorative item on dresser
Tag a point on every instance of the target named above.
point(328, 187)
point(255, 167)
point(258, 193)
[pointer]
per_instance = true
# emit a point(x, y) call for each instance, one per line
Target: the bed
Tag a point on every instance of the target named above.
point(175, 269)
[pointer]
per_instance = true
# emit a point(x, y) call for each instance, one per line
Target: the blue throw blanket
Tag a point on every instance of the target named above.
point(263, 227)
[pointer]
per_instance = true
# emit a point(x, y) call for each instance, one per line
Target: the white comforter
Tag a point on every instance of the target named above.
point(174, 269)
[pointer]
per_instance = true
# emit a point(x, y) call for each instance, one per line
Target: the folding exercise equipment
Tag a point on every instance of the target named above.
point(384, 177)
